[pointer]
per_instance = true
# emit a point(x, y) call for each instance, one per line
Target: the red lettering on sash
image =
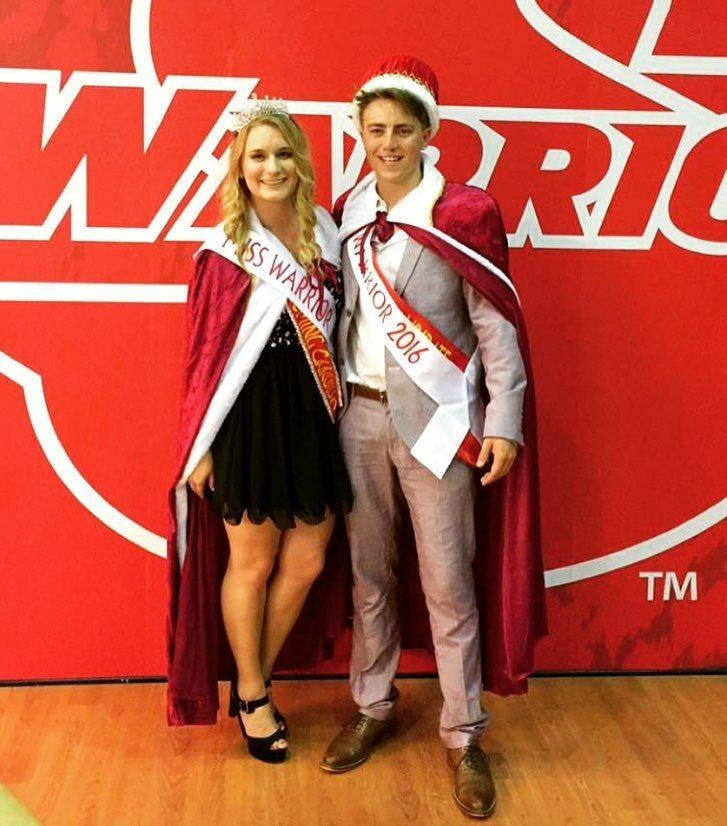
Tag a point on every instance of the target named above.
point(412, 337)
point(252, 249)
point(304, 285)
point(313, 298)
point(290, 277)
point(276, 268)
point(453, 353)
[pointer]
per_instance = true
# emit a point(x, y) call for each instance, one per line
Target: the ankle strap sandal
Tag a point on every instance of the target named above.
point(272, 748)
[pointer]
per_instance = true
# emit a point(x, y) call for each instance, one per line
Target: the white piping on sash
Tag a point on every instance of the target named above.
point(433, 372)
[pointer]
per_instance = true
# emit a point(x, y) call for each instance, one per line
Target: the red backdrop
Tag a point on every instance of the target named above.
point(598, 127)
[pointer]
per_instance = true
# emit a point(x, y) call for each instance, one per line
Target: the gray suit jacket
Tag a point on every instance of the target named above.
point(456, 309)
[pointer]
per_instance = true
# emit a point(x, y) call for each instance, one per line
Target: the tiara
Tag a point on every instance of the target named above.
point(256, 108)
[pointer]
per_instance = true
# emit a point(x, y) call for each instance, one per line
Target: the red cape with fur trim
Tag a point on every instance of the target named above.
point(508, 565)
point(216, 302)
point(198, 654)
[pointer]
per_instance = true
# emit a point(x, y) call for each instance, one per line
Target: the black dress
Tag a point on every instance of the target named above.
point(277, 454)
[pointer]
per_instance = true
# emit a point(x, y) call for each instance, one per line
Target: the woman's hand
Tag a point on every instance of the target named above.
point(202, 475)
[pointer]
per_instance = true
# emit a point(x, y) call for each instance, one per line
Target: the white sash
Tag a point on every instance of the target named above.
point(267, 259)
point(424, 363)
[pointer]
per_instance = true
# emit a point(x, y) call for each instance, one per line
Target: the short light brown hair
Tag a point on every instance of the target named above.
point(410, 103)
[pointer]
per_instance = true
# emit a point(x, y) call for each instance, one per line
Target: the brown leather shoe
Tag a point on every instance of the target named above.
point(354, 743)
point(474, 788)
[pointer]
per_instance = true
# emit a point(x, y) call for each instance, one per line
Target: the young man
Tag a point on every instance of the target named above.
point(429, 304)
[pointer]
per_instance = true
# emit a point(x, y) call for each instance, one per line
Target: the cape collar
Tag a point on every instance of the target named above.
point(414, 208)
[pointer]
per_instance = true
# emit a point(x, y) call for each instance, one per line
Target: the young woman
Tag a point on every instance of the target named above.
point(259, 446)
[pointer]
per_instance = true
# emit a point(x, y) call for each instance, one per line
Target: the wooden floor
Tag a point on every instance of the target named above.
point(627, 750)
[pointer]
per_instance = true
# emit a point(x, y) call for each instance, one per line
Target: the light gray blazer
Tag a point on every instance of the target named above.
point(456, 309)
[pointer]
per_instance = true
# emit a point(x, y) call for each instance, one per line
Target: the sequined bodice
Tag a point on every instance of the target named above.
point(284, 335)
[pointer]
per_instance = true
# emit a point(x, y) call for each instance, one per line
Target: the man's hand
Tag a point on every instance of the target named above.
point(202, 475)
point(503, 455)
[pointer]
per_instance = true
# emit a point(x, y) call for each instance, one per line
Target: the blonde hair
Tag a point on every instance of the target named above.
point(235, 196)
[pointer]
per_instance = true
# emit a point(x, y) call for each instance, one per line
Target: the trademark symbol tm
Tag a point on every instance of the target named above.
point(671, 585)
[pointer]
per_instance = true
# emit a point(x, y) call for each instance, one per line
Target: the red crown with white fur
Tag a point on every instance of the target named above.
point(409, 74)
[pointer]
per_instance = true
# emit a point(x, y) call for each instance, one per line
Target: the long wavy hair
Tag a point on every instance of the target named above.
point(235, 195)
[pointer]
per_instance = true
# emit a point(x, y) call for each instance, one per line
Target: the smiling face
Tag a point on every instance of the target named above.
point(268, 165)
point(393, 139)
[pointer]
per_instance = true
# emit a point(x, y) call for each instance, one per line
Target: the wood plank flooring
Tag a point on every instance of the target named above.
point(624, 750)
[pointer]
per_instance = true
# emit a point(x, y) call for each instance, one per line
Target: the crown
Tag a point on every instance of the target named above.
point(408, 74)
point(256, 108)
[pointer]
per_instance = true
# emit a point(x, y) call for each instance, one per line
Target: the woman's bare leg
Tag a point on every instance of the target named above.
point(253, 549)
point(301, 558)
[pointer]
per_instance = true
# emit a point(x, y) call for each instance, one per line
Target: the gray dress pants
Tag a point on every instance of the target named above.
point(382, 472)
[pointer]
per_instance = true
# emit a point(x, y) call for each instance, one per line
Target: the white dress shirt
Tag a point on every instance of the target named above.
point(365, 361)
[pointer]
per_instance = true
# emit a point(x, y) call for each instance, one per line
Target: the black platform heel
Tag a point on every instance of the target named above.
point(235, 704)
point(261, 748)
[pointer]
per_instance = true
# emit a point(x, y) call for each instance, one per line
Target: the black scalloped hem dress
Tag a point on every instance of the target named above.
point(277, 454)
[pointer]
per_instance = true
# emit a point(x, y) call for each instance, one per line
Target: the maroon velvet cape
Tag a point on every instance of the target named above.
point(508, 564)
point(198, 654)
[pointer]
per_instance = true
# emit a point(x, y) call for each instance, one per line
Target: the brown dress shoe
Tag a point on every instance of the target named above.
point(354, 743)
point(474, 788)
